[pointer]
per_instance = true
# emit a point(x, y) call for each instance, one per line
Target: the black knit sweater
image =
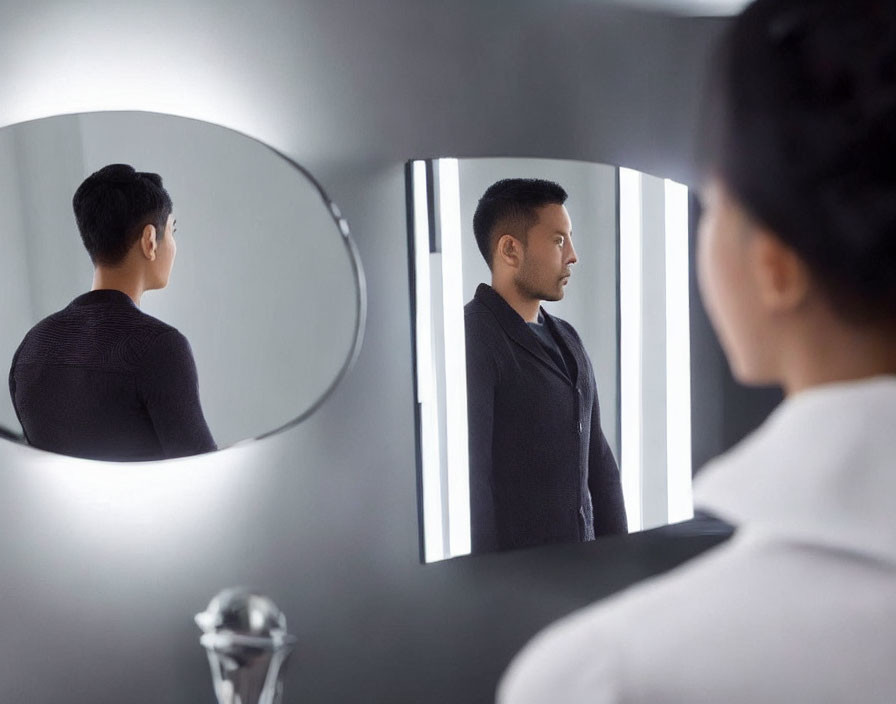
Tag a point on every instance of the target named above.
point(103, 380)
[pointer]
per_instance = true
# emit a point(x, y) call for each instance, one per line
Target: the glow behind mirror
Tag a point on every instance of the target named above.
point(116, 506)
point(65, 59)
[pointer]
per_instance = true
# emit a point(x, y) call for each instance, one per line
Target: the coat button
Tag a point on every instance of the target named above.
point(580, 427)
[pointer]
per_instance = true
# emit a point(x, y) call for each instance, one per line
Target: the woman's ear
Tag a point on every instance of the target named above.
point(782, 278)
point(509, 250)
point(148, 244)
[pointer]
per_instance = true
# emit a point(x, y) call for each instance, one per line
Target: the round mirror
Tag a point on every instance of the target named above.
point(267, 287)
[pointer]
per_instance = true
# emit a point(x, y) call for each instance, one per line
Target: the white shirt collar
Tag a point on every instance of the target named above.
point(821, 469)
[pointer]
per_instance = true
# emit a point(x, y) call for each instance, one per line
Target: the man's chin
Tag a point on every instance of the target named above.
point(553, 296)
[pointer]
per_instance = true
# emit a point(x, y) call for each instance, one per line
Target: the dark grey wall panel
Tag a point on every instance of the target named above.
point(98, 589)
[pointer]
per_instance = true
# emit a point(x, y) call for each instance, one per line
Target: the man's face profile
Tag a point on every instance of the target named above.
point(548, 253)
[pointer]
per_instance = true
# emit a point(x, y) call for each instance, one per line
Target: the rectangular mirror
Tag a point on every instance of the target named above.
point(621, 319)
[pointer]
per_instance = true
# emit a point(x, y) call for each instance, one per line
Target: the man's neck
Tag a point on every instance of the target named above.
point(526, 307)
point(117, 279)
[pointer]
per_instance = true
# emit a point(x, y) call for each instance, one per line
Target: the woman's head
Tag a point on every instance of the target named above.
point(119, 211)
point(800, 147)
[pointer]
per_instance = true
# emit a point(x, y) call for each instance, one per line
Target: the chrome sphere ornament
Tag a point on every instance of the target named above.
point(245, 636)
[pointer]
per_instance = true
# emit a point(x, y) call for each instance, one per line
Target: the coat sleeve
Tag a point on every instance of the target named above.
point(481, 383)
point(603, 481)
point(169, 386)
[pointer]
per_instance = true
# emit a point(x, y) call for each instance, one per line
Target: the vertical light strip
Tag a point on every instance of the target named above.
point(678, 355)
point(455, 360)
point(630, 305)
point(426, 381)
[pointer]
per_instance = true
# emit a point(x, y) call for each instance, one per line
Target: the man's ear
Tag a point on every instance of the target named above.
point(148, 244)
point(782, 277)
point(509, 250)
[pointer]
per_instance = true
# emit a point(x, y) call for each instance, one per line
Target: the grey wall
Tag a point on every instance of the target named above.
point(103, 568)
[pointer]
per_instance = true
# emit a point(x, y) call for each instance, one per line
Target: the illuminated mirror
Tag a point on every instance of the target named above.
point(627, 303)
point(266, 286)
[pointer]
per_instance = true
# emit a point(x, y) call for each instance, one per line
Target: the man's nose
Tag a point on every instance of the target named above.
point(571, 256)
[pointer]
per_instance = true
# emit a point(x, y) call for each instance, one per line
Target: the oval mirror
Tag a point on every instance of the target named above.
point(267, 287)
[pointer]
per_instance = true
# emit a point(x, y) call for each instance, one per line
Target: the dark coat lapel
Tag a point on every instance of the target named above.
point(572, 345)
point(515, 327)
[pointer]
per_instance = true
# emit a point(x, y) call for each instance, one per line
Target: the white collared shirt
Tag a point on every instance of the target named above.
point(799, 606)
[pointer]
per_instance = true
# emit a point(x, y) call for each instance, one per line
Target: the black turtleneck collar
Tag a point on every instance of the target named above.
point(103, 296)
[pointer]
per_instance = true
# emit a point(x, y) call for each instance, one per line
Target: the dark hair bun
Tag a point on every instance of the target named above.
point(118, 173)
point(804, 133)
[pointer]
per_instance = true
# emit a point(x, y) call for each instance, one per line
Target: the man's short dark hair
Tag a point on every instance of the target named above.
point(799, 126)
point(510, 205)
point(113, 205)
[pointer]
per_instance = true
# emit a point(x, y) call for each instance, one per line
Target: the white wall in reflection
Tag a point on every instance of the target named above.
point(655, 342)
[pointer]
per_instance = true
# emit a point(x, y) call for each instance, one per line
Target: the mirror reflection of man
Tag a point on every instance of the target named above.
point(541, 470)
point(100, 378)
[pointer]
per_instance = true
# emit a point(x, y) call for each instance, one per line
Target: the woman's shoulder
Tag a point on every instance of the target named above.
point(735, 614)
